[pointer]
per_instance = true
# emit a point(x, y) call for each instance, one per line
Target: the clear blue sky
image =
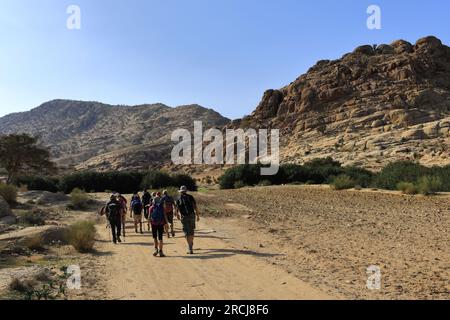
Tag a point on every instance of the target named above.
point(221, 54)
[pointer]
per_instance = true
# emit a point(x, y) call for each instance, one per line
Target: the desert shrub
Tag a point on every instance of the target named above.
point(8, 192)
point(38, 183)
point(246, 174)
point(443, 173)
point(123, 182)
point(79, 200)
point(429, 185)
point(172, 191)
point(81, 235)
point(400, 171)
point(265, 183)
point(157, 180)
point(239, 184)
point(407, 187)
point(323, 170)
point(35, 243)
point(342, 182)
point(33, 218)
point(362, 177)
point(184, 180)
point(20, 286)
point(290, 173)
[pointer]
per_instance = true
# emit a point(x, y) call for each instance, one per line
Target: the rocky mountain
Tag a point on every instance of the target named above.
point(93, 135)
point(375, 105)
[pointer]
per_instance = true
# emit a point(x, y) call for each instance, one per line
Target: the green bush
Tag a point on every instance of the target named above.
point(79, 200)
point(38, 183)
point(35, 243)
point(443, 173)
point(184, 180)
point(407, 187)
point(33, 218)
point(343, 182)
point(81, 235)
point(400, 171)
point(239, 184)
point(8, 192)
point(429, 185)
point(362, 177)
point(123, 182)
point(246, 175)
point(265, 183)
point(157, 180)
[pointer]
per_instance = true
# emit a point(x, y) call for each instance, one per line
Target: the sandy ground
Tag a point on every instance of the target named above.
point(218, 270)
point(329, 238)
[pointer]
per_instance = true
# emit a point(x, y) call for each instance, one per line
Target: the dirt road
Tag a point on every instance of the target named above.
point(218, 270)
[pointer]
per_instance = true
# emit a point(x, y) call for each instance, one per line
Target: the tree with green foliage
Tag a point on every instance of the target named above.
point(21, 154)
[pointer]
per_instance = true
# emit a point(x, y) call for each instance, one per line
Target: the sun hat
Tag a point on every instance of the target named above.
point(183, 189)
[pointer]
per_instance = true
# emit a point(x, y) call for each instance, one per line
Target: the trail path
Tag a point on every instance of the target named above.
point(216, 271)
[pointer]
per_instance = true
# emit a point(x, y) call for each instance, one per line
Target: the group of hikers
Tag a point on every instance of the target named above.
point(159, 210)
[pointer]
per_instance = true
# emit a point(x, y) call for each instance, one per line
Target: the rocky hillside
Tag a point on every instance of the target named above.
point(372, 106)
point(92, 135)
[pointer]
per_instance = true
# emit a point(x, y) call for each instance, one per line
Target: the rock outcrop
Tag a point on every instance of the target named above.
point(374, 105)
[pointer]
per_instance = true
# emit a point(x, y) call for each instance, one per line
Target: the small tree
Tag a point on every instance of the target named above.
point(20, 153)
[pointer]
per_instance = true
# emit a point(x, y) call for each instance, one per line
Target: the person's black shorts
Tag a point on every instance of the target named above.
point(158, 232)
point(188, 225)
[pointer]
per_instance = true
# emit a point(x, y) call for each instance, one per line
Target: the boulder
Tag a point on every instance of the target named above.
point(413, 134)
point(8, 220)
point(428, 42)
point(366, 49)
point(402, 46)
point(5, 210)
point(385, 49)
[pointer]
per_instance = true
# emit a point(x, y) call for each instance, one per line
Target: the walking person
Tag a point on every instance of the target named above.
point(113, 214)
point(188, 213)
point(169, 208)
point(146, 202)
point(123, 210)
point(159, 222)
point(136, 212)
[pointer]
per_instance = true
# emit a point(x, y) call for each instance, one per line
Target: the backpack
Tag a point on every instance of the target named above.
point(157, 215)
point(113, 210)
point(185, 205)
point(168, 205)
point(136, 206)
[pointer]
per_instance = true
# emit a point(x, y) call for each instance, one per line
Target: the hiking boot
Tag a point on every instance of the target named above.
point(115, 241)
point(190, 251)
point(161, 254)
point(156, 252)
point(135, 230)
point(118, 240)
point(173, 234)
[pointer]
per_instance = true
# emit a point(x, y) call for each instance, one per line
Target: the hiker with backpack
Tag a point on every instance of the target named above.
point(169, 206)
point(158, 221)
point(188, 213)
point(136, 207)
point(146, 203)
point(123, 210)
point(113, 214)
